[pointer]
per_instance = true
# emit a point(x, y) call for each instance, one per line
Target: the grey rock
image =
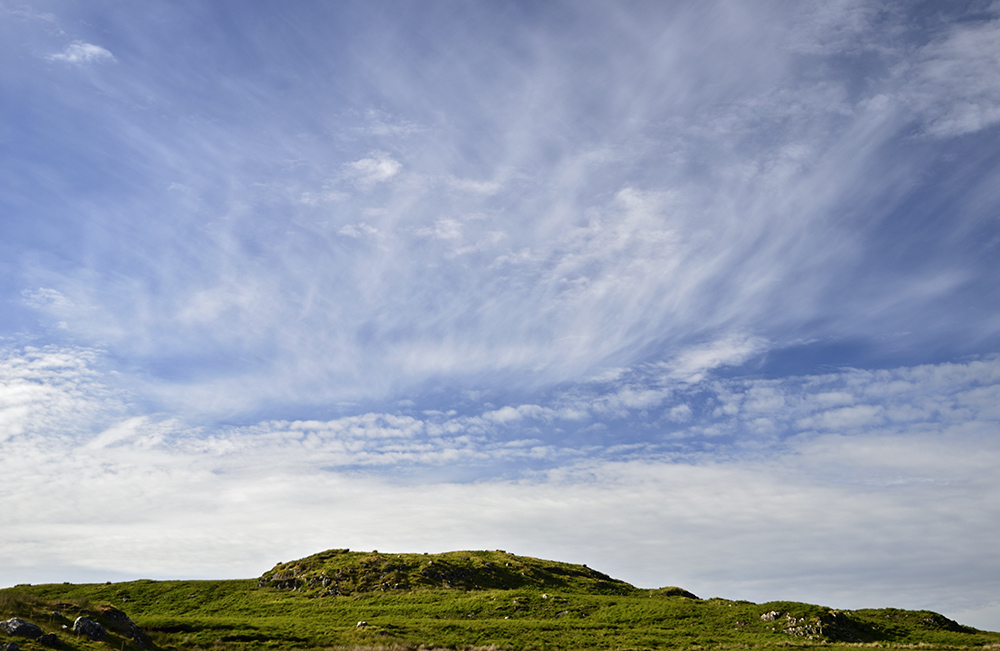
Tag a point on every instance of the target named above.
point(10, 646)
point(89, 628)
point(120, 623)
point(50, 640)
point(20, 627)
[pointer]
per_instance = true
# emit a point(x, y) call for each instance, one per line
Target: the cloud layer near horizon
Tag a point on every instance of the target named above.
point(821, 479)
point(722, 275)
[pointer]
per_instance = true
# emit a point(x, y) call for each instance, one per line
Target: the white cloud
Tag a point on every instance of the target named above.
point(324, 196)
point(79, 52)
point(692, 364)
point(380, 123)
point(487, 188)
point(507, 415)
point(444, 229)
point(27, 13)
point(365, 427)
point(680, 413)
point(138, 433)
point(844, 418)
point(232, 296)
point(51, 392)
point(373, 170)
point(843, 26)
point(46, 298)
point(357, 231)
point(764, 398)
point(956, 80)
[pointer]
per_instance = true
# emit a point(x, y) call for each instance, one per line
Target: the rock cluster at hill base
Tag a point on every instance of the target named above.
point(117, 621)
point(21, 628)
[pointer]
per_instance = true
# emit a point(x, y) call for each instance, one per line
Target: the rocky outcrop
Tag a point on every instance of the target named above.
point(21, 628)
point(120, 623)
point(89, 628)
point(833, 625)
point(280, 583)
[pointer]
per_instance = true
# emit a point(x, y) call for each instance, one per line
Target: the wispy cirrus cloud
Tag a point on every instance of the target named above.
point(574, 261)
point(953, 83)
point(79, 52)
point(692, 364)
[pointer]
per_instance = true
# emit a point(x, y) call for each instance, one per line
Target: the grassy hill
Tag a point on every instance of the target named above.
point(340, 572)
point(455, 600)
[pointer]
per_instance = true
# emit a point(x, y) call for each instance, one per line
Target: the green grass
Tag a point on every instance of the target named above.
point(458, 600)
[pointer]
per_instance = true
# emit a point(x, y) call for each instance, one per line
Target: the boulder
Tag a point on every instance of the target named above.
point(120, 623)
point(89, 628)
point(50, 640)
point(10, 646)
point(21, 628)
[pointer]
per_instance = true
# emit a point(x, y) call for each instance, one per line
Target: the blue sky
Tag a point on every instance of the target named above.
point(701, 294)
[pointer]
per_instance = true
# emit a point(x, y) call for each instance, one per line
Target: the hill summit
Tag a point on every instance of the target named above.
point(341, 572)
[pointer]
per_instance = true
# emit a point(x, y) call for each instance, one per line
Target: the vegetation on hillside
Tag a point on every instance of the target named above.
point(457, 600)
point(342, 572)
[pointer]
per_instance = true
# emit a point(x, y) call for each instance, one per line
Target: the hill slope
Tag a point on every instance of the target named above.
point(456, 600)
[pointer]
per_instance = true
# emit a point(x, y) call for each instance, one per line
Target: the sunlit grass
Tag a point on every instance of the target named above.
point(405, 607)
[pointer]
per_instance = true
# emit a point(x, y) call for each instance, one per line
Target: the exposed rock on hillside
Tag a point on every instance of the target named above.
point(118, 622)
point(89, 628)
point(833, 625)
point(21, 628)
point(94, 625)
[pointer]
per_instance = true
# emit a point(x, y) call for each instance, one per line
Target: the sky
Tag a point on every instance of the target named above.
point(699, 294)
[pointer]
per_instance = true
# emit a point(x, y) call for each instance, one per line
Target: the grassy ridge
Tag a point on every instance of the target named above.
point(457, 600)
